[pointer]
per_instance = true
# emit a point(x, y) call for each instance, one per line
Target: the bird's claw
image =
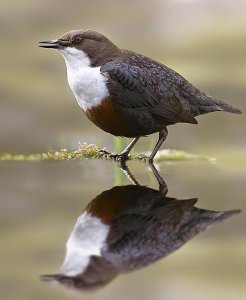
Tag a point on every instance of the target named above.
point(122, 157)
point(104, 152)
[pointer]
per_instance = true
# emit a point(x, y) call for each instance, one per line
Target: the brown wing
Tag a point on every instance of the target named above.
point(135, 87)
point(130, 228)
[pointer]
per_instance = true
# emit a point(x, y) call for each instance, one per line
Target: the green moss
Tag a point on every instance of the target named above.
point(181, 155)
point(92, 151)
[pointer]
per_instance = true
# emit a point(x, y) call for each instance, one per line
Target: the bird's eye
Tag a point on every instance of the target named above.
point(78, 39)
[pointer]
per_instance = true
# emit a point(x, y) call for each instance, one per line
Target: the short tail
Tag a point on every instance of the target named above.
point(209, 104)
point(227, 107)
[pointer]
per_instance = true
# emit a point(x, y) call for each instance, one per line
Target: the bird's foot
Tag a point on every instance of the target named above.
point(104, 152)
point(150, 160)
point(122, 157)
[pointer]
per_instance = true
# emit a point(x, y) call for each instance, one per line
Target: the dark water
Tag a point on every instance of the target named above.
point(131, 225)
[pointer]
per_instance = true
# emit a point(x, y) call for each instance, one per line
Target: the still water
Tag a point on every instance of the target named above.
point(175, 233)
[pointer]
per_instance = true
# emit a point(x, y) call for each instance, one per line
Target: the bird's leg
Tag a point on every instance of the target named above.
point(126, 151)
point(162, 184)
point(127, 172)
point(162, 137)
point(123, 156)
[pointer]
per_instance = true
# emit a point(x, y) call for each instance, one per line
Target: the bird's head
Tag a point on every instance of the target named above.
point(83, 44)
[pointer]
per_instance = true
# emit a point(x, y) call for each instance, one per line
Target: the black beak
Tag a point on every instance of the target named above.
point(50, 44)
point(51, 278)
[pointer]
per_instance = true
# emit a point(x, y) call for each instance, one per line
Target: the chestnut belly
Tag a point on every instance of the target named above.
point(120, 121)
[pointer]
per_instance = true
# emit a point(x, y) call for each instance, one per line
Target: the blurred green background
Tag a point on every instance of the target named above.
point(204, 40)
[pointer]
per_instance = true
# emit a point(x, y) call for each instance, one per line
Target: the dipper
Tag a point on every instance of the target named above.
point(113, 237)
point(126, 93)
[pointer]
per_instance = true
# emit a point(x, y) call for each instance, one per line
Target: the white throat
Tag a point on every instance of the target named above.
point(87, 238)
point(87, 83)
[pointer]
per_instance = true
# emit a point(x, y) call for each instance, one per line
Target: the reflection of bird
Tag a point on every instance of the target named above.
point(126, 228)
point(127, 94)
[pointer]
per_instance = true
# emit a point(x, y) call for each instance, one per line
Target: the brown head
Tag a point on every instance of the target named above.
point(94, 45)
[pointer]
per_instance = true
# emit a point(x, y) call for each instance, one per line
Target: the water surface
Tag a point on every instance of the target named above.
point(40, 203)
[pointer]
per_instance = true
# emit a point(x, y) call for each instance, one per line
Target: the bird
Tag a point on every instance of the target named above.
point(126, 228)
point(126, 93)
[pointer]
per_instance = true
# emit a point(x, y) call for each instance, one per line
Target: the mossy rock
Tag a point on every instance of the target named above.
point(91, 151)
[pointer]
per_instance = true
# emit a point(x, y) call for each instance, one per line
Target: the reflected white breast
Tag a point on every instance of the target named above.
point(87, 238)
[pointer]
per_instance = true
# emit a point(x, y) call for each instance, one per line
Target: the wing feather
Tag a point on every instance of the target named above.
point(135, 87)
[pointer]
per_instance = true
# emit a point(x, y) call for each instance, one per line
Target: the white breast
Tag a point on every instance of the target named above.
point(86, 82)
point(87, 238)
